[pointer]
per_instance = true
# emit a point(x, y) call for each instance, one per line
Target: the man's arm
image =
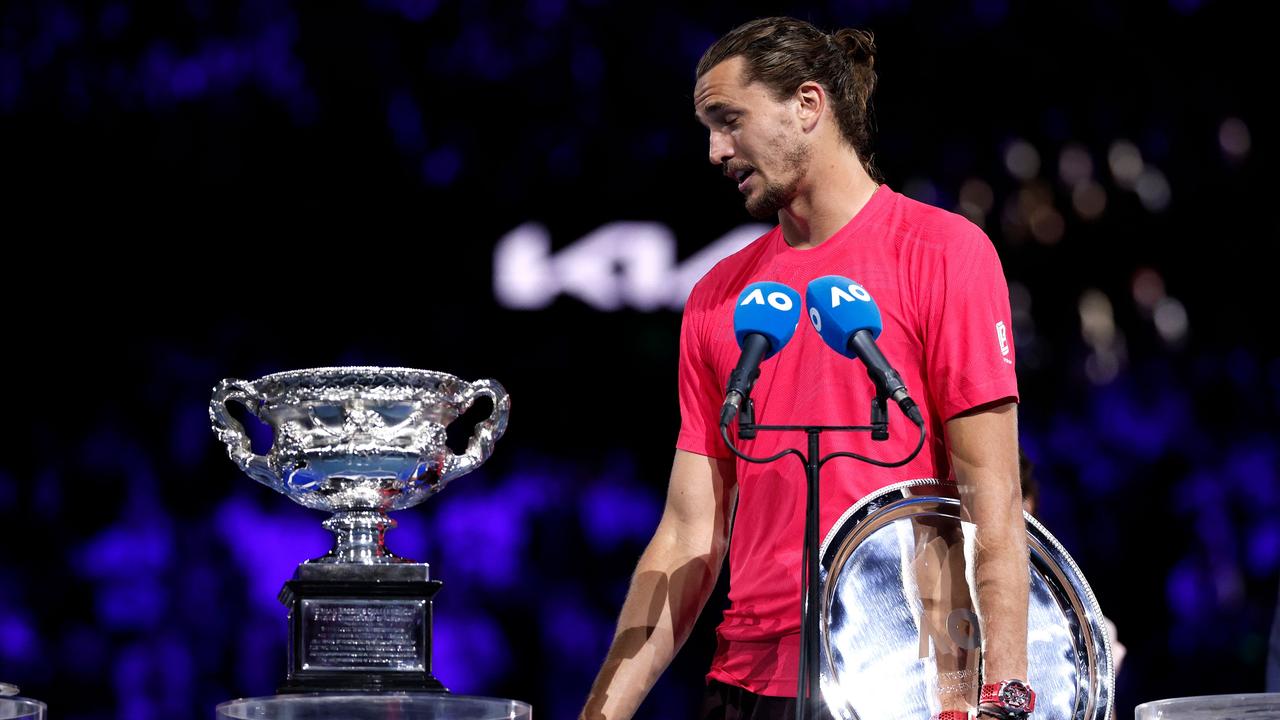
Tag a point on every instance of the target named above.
point(984, 453)
point(672, 582)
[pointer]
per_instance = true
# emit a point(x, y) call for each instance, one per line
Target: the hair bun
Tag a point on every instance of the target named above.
point(859, 46)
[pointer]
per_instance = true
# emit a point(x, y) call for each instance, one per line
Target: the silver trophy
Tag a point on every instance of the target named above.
point(900, 632)
point(359, 442)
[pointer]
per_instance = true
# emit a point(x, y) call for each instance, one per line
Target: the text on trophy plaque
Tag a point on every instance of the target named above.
point(353, 634)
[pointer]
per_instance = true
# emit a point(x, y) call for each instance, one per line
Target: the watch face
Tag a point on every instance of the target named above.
point(1015, 695)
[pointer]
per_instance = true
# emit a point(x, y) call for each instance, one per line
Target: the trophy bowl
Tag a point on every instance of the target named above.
point(358, 442)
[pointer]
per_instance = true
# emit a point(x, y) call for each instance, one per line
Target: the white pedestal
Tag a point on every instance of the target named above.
point(17, 708)
point(1255, 706)
point(384, 706)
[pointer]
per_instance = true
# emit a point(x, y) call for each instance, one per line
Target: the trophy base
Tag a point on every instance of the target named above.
point(372, 683)
point(360, 628)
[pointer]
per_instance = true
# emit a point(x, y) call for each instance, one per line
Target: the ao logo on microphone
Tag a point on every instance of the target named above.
point(853, 293)
point(778, 300)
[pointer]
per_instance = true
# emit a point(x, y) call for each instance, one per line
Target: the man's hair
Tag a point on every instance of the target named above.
point(783, 52)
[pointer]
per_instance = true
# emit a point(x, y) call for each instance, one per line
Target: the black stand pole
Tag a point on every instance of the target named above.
point(808, 690)
point(809, 677)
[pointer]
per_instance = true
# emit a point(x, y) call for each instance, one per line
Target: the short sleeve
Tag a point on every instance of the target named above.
point(701, 394)
point(969, 342)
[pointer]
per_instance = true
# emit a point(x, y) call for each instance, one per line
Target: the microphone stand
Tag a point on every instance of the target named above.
point(808, 686)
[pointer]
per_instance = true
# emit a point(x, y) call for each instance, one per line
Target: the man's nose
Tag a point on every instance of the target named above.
point(721, 149)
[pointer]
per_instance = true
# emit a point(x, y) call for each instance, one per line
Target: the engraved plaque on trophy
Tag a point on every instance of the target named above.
point(359, 442)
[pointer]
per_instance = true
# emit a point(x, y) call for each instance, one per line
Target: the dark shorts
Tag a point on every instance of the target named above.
point(729, 702)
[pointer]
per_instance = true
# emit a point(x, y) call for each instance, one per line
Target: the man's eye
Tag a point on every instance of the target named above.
point(731, 120)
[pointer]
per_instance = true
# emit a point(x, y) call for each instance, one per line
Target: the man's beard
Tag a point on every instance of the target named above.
point(776, 195)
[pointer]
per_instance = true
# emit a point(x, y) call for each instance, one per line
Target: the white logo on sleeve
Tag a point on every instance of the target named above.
point(1003, 335)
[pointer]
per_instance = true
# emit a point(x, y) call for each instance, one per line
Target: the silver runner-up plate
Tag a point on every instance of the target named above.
point(900, 636)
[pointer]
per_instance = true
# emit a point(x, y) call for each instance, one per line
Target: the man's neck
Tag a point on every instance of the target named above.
point(833, 192)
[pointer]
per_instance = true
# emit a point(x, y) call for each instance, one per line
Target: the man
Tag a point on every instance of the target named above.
point(786, 107)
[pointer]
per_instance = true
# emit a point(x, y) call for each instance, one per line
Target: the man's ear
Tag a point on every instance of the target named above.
point(811, 100)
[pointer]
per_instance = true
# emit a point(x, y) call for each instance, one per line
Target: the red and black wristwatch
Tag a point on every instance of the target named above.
point(1009, 699)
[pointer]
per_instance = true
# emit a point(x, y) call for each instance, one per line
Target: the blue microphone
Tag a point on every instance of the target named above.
point(763, 321)
point(848, 320)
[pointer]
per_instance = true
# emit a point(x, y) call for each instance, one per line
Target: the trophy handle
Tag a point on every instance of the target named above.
point(487, 431)
point(232, 433)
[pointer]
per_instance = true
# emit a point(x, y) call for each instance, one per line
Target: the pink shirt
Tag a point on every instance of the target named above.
point(945, 306)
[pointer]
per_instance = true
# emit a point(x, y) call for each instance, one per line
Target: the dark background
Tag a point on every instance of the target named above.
point(199, 190)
